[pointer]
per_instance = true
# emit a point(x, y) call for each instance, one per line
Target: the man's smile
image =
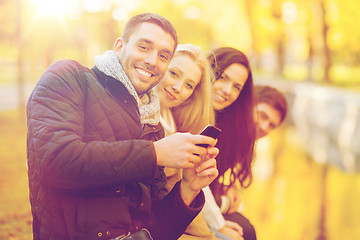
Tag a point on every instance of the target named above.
point(144, 73)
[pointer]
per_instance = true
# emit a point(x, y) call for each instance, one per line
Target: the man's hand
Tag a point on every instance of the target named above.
point(232, 230)
point(199, 176)
point(234, 195)
point(234, 226)
point(178, 149)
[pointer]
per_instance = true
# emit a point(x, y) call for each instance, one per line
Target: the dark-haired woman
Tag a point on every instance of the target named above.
point(233, 103)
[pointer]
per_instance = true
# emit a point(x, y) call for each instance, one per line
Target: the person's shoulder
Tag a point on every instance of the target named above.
point(65, 71)
point(67, 65)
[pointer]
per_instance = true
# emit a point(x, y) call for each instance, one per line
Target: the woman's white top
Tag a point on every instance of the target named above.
point(210, 212)
point(167, 121)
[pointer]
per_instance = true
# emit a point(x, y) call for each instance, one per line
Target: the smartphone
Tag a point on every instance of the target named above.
point(210, 131)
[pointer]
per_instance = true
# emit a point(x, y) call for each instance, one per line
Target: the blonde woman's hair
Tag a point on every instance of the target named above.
point(197, 111)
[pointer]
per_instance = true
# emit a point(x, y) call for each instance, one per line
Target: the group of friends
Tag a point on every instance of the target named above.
point(113, 150)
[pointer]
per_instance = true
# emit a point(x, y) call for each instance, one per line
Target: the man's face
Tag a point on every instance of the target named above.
point(145, 56)
point(266, 119)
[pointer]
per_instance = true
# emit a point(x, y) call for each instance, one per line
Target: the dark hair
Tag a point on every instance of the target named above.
point(236, 143)
point(273, 97)
point(161, 21)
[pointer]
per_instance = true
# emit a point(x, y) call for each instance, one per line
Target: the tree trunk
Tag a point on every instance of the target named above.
point(323, 203)
point(252, 26)
point(310, 60)
point(281, 35)
point(327, 53)
point(20, 62)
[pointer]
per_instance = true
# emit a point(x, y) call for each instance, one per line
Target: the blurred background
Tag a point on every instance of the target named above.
point(306, 173)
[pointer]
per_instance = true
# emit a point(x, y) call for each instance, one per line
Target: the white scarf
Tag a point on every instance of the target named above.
point(149, 104)
point(167, 121)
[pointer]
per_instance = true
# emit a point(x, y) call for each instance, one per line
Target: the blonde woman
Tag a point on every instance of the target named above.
point(185, 92)
point(185, 97)
point(186, 106)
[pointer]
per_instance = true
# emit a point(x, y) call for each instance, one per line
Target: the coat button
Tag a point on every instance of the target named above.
point(108, 233)
point(142, 204)
point(99, 234)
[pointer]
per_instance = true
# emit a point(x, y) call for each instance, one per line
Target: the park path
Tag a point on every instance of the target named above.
point(9, 96)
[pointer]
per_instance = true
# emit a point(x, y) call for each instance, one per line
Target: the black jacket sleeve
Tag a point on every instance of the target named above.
point(173, 213)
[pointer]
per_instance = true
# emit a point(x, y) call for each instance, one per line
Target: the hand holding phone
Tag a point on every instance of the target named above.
point(210, 131)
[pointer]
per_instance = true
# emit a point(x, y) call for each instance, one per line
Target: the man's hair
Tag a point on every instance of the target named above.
point(156, 19)
point(273, 97)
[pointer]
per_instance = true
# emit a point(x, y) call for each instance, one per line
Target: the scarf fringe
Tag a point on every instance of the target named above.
point(149, 104)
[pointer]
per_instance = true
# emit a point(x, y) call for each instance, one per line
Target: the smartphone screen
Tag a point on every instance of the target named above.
point(210, 131)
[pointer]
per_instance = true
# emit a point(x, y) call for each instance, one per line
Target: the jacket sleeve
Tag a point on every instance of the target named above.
point(173, 213)
point(56, 147)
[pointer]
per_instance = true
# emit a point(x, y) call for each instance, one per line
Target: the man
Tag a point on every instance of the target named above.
point(270, 109)
point(95, 153)
point(269, 112)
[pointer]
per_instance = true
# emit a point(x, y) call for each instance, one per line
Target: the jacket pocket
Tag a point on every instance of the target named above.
point(105, 214)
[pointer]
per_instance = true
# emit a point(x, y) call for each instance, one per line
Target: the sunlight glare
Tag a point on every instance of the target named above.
point(94, 6)
point(289, 12)
point(54, 8)
point(120, 14)
point(192, 12)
